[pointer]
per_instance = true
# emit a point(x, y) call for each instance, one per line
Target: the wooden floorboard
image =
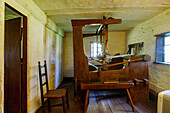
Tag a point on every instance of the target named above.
point(115, 106)
point(113, 101)
point(93, 107)
point(124, 104)
point(102, 102)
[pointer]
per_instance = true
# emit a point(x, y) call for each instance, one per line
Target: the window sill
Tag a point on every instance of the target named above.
point(163, 63)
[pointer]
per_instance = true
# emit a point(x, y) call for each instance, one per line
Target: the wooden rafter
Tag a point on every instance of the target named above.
point(95, 21)
point(91, 34)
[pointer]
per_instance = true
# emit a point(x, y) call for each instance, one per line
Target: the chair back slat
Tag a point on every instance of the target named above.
point(41, 66)
point(41, 87)
point(44, 83)
point(41, 75)
point(44, 74)
point(45, 65)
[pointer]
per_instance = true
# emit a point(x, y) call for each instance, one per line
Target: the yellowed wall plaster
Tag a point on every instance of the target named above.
point(1, 56)
point(116, 43)
point(42, 44)
point(144, 32)
point(68, 64)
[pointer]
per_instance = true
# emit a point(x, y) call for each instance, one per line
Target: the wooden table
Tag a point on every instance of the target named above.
point(102, 86)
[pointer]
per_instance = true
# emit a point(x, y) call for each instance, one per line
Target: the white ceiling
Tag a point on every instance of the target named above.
point(132, 12)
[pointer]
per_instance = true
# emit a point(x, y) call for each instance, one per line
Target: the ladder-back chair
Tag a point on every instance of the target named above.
point(50, 94)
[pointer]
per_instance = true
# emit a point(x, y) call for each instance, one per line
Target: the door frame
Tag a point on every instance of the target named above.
point(24, 85)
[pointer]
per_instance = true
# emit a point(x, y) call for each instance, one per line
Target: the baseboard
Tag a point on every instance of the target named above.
point(68, 78)
point(153, 95)
point(40, 107)
point(155, 87)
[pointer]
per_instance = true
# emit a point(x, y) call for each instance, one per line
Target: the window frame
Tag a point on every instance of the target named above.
point(101, 47)
point(163, 35)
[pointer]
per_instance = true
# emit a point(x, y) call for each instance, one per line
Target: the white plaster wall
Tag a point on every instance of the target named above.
point(42, 44)
point(68, 61)
point(116, 43)
point(59, 60)
point(144, 32)
point(1, 56)
point(35, 54)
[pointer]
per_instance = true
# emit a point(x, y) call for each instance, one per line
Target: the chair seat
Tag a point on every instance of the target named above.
point(57, 93)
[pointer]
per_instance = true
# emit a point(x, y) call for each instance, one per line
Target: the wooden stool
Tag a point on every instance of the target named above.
point(99, 86)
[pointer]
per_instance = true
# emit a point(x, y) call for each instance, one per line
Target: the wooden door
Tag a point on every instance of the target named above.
point(12, 49)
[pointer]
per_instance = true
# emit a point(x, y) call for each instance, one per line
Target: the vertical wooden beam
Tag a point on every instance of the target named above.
point(101, 37)
point(97, 45)
point(25, 64)
point(81, 68)
point(106, 36)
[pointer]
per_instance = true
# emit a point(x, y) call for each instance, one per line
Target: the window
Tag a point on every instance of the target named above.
point(167, 49)
point(163, 48)
point(97, 50)
point(135, 48)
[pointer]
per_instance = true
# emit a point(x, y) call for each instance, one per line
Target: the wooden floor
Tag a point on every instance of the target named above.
point(113, 101)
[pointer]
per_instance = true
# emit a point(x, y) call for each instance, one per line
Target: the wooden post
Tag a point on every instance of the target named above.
point(101, 37)
point(106, 36)
point(80, 60)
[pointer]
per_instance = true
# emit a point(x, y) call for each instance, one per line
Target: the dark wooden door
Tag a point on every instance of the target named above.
point(12, 50)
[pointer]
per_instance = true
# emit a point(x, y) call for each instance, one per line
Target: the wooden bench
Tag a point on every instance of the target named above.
point(103, 86)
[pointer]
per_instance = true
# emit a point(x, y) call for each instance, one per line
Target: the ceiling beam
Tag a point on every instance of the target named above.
point(95, 21)
point(91, 34)
point(87, 11)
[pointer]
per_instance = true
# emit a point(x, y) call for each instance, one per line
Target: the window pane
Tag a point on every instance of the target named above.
point(167, 53)
point(163, 48)
point(94, 49)
point(99, 45)
point(167, 40)
point(160, 49)
point(167, 57)
point(167, 49)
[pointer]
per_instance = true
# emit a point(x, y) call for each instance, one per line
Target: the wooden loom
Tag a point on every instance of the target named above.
point(137, 71)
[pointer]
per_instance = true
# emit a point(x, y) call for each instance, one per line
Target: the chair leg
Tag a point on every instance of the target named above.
point(49, 108)
point(63, 99)
point(43, 108)
point(67, 99)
